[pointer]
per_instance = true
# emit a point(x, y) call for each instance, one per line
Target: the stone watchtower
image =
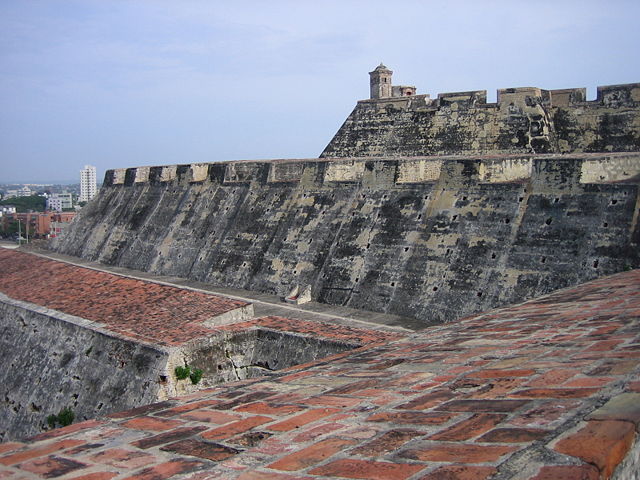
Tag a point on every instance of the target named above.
point(380, 82)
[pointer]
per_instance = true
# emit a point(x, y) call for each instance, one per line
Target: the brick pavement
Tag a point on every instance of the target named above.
point(548, 389)
point(141, 310)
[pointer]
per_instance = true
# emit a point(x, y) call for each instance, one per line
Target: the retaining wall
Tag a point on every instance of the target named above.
point(429, 238)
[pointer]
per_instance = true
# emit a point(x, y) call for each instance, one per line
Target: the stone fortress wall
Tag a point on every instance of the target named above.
point(523, 120)
point(433, 238)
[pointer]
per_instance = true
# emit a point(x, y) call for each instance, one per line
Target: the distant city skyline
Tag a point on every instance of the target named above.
point(150, 82)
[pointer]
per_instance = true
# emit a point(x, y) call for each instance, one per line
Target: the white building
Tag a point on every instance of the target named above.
point(59, 201)
point(88, 184)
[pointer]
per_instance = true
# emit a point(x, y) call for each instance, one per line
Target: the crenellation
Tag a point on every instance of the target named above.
point(597, 168)
point(523, 120)
point(142, 175)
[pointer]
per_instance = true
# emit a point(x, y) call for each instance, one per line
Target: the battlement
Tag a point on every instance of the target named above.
point(380, 173)
point(609, 95)
point(522, 120)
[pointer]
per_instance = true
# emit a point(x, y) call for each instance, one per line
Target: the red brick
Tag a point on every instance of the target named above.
point(429, 400)
point(167, 470)
point(97, 476)
point(589, 382)
point(554, 377)
point(513, 435)
point(52, 466)
point(601, 443)
point(469, 428)
point(235, 428)
point(151, 423)
point(197, 448)
point(368, 470)
point(209, 416)
point(459, 453)
point(170, 436)
point(311, 455)
point(414, 418)
point(121, 458)
point(568, 472)
point(387, 442)
point(546, 413)
point(39, 451)
point(10, 446)
point(256, 475)
point(187, 407)
point(482, 405)
point(317, 431)
point(250, 439)
point(555, 393)
point(460, 472)
point(263, 408)
point(302, 419)
point(333, 401)
point(59, 432)
point(502, 373)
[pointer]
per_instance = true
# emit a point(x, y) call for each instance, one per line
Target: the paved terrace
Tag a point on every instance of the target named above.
point(147, 311)
point(548, 389)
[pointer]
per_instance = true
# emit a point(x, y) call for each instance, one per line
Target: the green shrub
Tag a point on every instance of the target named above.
point(196, 376)
point(64, 418)
point(182, 372)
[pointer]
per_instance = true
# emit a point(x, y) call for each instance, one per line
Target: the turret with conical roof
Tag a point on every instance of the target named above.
point(380, 82)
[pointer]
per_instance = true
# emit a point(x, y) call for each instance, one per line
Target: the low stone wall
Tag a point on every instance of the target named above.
point(53, 361)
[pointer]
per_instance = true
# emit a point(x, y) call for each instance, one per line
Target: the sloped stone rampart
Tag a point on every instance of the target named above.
point(429, 238)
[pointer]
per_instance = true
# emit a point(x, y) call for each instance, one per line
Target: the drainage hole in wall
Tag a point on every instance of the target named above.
point(454, 218)
point(605, 224)
point(493, 255)
point(614, 201)
point(368, 245)
point(520, 199)
point(406, 249)
point(548, 221)
point(435, 289)
point(479, 294)
point(556, 200)
point(357, 279)
point(393, 284)
point(543, 259)
point(506, 220)
point(419, 216)
point(595, 264)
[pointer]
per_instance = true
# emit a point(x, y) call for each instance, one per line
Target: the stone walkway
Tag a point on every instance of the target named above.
point(548, 389)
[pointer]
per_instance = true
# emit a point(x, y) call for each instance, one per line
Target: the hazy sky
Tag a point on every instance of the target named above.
point(117, 83)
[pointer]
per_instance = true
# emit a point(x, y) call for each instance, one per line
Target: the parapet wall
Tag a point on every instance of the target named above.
point(429, 238)
point(523, 120)
point(53, 361)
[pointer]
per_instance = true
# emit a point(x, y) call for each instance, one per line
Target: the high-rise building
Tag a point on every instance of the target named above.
point(87, 183)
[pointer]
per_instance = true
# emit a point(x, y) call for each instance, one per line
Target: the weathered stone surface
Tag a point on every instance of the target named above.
point(523, 120)
point(432, 242)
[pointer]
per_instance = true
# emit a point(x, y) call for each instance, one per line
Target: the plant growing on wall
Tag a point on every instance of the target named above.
point(63, 418)
point(185, 372)
point(196, 376)
point(182, 372)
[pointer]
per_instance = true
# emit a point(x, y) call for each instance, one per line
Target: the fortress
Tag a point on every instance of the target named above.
point(420, 217)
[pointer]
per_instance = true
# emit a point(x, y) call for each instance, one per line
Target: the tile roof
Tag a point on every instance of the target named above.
point(547, 389)
point(138, 309)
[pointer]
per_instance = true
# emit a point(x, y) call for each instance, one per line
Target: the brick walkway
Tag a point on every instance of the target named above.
point(549, 389)
point(144, 311)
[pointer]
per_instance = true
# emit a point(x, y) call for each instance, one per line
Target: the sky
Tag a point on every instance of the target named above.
point(124, 83)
